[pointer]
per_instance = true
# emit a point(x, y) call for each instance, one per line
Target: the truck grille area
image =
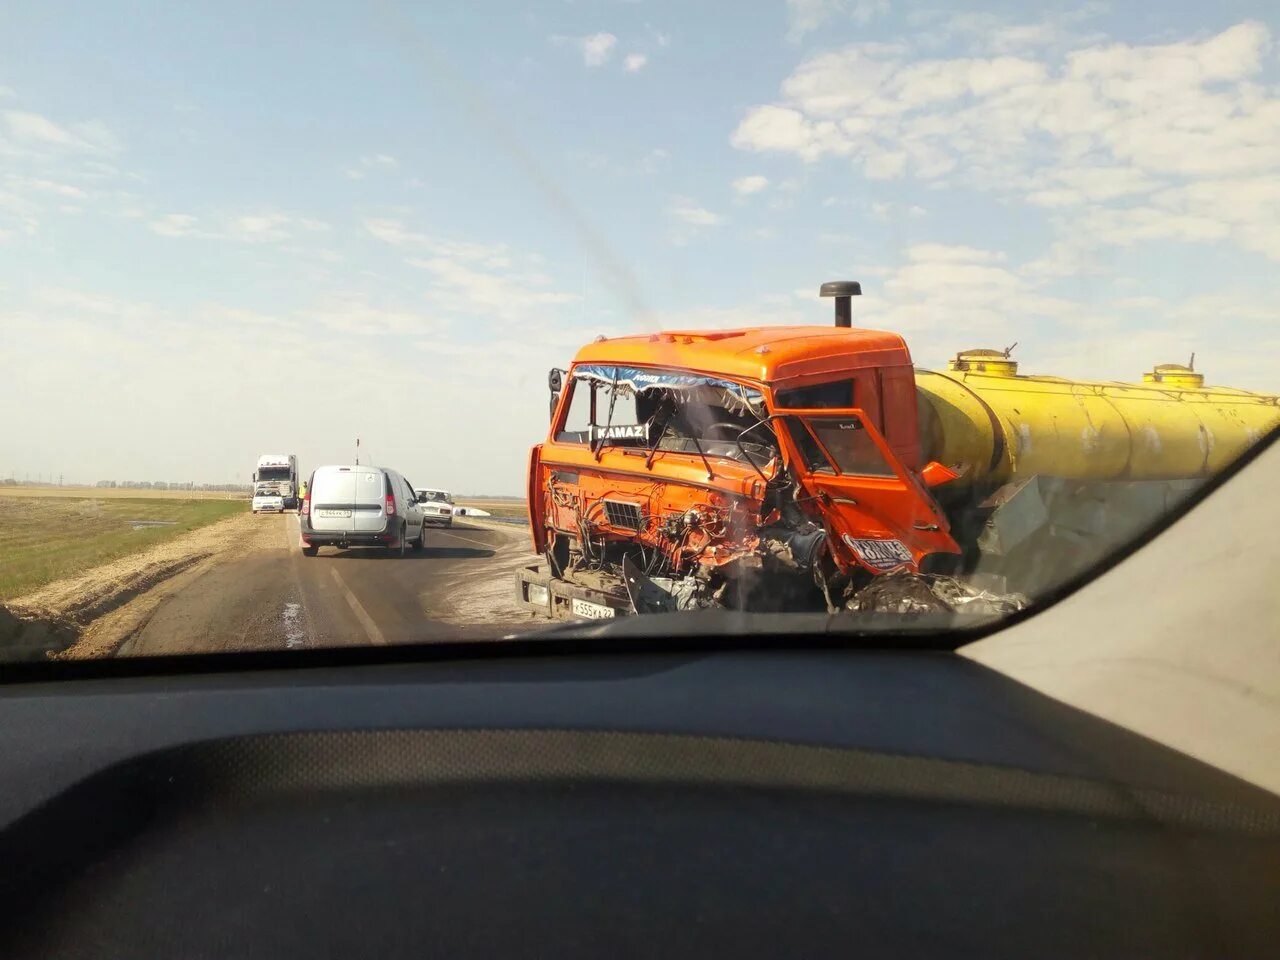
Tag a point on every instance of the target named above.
point(623, 515)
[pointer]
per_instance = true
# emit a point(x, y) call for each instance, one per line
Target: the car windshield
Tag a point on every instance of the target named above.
point(887, 318)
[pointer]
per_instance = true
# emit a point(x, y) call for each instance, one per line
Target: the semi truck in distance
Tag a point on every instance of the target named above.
point(275, 483)
point(813, 467)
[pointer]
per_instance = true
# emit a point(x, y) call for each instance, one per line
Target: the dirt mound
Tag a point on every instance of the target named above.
point(71, 606)
point(32, 638)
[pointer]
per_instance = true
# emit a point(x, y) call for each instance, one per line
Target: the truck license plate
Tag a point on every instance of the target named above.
point(334, 513)
point(592, 611)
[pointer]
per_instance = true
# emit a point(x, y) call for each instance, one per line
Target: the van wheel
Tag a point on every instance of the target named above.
point(422, 538)
point(404, 540)
point(310, 551)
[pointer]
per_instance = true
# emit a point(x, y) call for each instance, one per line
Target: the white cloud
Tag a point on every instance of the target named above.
point(33, 129)
point(176, 225)
point(597, 48)
point(944, 253)
point(357, 316)
point(471, 278)
point(689, 212)
point(1138, 142)
point(19, 212)
point(100, 304)
point(785, 130)
point(41, 185)
point(460, 286)
point(260, 228)
point(654, 160)
point(634, 62)
point(394, 232)
point(245, 228)
point(807, 15)
point(991, 33)
point(373, 161)
point(751, 184)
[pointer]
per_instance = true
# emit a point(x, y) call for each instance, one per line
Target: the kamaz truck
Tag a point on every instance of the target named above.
point(275, 483)
point(792, 468)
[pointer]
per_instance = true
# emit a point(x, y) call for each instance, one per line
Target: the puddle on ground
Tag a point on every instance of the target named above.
point(145, 524)
point(294, 635)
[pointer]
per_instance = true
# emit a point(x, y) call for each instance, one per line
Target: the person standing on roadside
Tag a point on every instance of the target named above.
point(302, 494)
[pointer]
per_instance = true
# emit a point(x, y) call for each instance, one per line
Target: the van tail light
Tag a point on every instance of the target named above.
point(305, 509)
point(391, 505)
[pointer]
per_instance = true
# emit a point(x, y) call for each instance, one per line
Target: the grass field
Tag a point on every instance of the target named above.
point(45, 538)
point(118, 493)
point(498, 506)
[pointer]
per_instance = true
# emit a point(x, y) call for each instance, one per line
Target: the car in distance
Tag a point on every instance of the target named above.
point(437, 507)
point(360, 506)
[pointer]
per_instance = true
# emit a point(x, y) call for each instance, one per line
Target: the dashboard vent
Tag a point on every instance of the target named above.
point(623, 515)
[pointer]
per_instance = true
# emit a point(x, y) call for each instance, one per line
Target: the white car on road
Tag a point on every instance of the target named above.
point(437, 507)
point(355, 506)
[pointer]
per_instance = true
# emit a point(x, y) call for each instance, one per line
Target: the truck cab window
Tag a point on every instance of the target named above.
point(814, 458)
point(855, 453)
point(577, 423)
point(592, 403)
point(837, 395)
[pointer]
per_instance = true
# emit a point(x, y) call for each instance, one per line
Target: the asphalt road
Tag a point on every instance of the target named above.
point(458, 587)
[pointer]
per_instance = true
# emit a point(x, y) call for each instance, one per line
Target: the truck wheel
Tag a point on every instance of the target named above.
point(310, 551)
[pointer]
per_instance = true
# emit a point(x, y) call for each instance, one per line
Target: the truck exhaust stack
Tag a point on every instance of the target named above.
point(842, 290)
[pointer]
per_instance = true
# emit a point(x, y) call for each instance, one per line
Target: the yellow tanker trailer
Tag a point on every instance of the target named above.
point(1055, 472)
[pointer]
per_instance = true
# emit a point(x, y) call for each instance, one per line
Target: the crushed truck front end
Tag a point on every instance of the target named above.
point(727, 469)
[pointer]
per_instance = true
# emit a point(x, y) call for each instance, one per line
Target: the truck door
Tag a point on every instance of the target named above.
point(877, 513)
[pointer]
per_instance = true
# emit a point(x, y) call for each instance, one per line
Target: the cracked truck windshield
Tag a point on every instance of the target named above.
point(411, 325)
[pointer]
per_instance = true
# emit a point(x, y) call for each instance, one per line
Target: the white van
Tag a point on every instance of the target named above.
point(360, 507)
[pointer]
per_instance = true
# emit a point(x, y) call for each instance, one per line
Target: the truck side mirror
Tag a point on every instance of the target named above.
point(935, 474)
point(555, 383)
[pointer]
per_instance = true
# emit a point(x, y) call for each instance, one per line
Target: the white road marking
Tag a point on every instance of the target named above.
point(479, 543)
point(294, 635)
point(366, 621)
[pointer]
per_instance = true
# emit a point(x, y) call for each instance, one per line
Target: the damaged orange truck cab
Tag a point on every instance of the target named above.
point(765, 468)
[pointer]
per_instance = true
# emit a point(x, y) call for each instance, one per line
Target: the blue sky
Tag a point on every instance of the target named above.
point(261, 227)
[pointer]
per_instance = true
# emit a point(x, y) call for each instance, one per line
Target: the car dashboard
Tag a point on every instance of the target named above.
point(559, 799)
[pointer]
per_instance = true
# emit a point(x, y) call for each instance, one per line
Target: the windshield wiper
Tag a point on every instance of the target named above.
point(653, 450)
point(705, 462)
